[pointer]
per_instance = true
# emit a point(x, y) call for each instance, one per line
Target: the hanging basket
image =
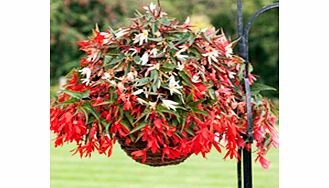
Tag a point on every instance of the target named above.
point(152, 159)
point(162, 90)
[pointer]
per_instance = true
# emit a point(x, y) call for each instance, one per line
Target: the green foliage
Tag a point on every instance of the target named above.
point(72, 20)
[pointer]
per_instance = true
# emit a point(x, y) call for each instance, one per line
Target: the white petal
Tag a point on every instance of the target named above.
point(169, 104)
point(141, 101)
point(152, 6)
point(138, 92)
point(144, 58)
point(187, 21)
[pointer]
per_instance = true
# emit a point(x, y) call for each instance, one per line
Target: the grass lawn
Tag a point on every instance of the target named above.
point(120, 171)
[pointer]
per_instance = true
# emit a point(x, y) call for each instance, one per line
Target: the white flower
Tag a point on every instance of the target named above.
point(113, 83)
point(183, 49)
point(152, 7)
point(144, 59)
point(180, 67)
point(217, 137)
point(121, 86)
point(174, 86)
point(138, 92)
point(212, 55)
point(121, 32)
point(141, 37)
point(154, 52)
point(231, 74)
point(130, 76)
point(182, 57)
point(134, 50)
point(85, 80)
point(106, 76)
point(196, 78)
point(86, 71)
point(228, 51)
point(187, 21)
point(141, 101)
point(169, 104)
point(152, 105)
point(153, 67)
point(107, 37)
point(62, 81)
point(157, 33)
point(93, 55)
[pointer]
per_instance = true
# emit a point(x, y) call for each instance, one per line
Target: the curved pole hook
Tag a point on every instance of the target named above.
point(251, 21)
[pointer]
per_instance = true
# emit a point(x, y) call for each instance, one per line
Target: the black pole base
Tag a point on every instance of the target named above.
point(247, 167)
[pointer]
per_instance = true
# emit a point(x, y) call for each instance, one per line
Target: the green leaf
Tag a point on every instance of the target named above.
point(195, 110)
point(156, 39)
point(167, 67)
point(142, 81)
point(185, 79)
point(210, 102)
point(140, 135)
point(117, 59)
point(106, 125)
point(126, 124)
point(241, 71)
point(137, 59)
point(191, 40)
point(165, 21)
point(155, 78)
point(154, 75)
point(85, 112)
point(155, 27)
point(189, 131)
point(121, 113)
point(174, 123)
point(129, 117)
point(184, 115)
point(145, 112)
point(103, 103)
point(107, 59)
point(212, 93)
point(257, 87)
point(77, 95)
point(140, 126)
point(161, 109)
point(71, 101)
point(155, 85)
point(189, 98)
point(172, 46)
point(127, 70)
point(195, 103)
point(91, 110)
point(183, 38)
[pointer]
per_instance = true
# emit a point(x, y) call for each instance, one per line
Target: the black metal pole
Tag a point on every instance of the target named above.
point(241, 45)
point(246, 158)
point(243, 34)
point(239, 169)
point(247, 168)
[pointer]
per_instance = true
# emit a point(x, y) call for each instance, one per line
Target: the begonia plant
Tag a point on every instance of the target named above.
point(158, 82)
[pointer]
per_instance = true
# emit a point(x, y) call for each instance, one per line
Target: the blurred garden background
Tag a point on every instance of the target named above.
point(72, 20)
